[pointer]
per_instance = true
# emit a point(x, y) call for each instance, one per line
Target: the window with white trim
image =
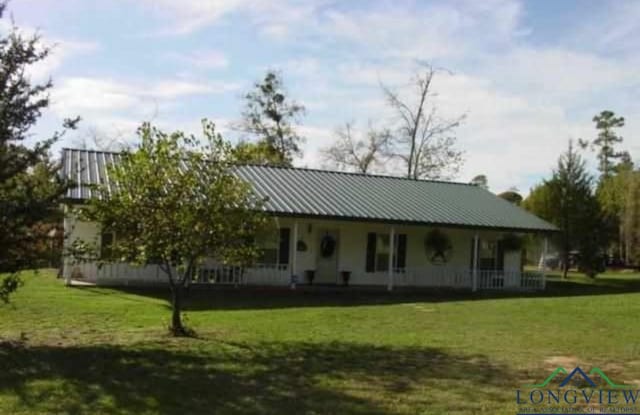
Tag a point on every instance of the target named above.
point(379, 252)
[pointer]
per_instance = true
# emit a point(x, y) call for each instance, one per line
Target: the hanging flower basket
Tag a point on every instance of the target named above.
point(438, 246)
point(512, 242)
point(327, 246)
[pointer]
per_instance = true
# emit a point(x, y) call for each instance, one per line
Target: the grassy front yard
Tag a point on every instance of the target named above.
point(94, 350)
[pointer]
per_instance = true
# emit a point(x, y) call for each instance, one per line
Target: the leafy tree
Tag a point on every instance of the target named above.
point(631, 218)
point(606, 123)
point(480, 180)
point(424, 142)
point(512, 196)
point(612, 192)
point(271, 117)
point(29, 188)
point(575, 210)
point(361, 155)
point(176, 217)
point(247, 152)
point(540, 202)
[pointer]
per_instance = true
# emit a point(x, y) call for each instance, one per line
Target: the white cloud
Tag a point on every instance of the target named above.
point(523, 102)
point(559, 74)
point(201, 59)
point(60, 49)
point(273, 18)
point(115, 109)
point(616, 30)
point(170, 89)
point(433, 32)
point(524, 97)
point(188, 16)
point(80, 94)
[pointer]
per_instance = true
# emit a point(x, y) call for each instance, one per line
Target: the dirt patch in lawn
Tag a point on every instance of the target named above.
point(567, 362)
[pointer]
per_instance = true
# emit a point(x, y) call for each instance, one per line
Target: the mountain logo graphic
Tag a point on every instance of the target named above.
point(578, 374)
point(578, 371)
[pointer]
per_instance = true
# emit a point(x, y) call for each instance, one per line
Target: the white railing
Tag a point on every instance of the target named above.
point(259, 274)
point(125, 274)
point(533, 280)
point(279, 275)
point(462, 277)
point(115, 273)
point(510, 280)
point(217, 275)
point(267, 274)
point(436, 277)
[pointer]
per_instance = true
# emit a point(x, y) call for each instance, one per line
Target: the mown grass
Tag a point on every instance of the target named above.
point(98, 350)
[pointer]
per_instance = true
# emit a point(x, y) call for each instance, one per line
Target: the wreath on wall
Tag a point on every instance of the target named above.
point(438, 246)
point(327, 246)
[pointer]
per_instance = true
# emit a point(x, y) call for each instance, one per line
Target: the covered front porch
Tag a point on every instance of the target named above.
point(311, 251)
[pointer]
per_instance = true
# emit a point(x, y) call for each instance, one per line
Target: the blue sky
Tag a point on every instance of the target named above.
point(529, 75)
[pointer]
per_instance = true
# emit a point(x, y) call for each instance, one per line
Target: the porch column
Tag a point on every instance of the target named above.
point(294, 257)
point(392, 236)
point(475, 263)
point(545, 252)
point(66, 262)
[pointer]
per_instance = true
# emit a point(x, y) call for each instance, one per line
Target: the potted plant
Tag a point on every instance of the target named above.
point(512, 242)
point(346, 276)
point(310, 274)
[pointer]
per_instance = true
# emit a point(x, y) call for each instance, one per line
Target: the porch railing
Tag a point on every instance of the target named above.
point(279, 275)
point(454, 277)
point(259, 274)
point(436, 277)
point(114, 274)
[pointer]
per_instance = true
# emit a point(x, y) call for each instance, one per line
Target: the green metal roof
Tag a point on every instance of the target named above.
point(345, 196)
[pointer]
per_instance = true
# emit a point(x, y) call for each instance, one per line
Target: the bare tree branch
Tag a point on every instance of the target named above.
point(362, 155)
point(425, 142)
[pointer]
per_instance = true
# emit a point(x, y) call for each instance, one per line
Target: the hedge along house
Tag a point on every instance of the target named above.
point(373, 230)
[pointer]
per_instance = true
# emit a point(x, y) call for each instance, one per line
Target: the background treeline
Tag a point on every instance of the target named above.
point(598, 215)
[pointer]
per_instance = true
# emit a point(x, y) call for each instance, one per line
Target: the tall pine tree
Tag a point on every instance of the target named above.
point(575, 210)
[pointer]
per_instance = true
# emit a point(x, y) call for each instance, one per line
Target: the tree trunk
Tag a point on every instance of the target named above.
point(176, 305)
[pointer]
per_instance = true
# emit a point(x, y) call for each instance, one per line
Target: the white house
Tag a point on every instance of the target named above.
point(375, 228)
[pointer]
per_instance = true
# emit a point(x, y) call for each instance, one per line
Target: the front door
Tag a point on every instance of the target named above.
point(327, 257)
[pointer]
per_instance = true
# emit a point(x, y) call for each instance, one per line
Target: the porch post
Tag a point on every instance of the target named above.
point(392, 236)
point(294, 257)
point(66, 262)
point(545, 252)
point(475, 262)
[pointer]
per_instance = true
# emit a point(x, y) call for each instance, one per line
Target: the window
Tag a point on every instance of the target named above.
point(275, 248)
point(379, 252)
point(490, 255)
point(487, 255)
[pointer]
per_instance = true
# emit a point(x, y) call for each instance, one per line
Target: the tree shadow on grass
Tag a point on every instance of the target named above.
point(248, 298)
point(237, 378)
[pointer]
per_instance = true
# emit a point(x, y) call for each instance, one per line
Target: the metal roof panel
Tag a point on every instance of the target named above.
point(339, 195)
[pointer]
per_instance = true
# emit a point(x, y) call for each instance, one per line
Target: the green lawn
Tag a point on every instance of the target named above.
point(94, 350)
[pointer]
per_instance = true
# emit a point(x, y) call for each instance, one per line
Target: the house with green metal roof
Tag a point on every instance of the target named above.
point(342, 228)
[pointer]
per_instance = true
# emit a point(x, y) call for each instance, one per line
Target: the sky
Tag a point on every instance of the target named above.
point(528, 75)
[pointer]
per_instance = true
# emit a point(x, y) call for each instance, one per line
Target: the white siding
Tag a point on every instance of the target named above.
point(351, 252)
